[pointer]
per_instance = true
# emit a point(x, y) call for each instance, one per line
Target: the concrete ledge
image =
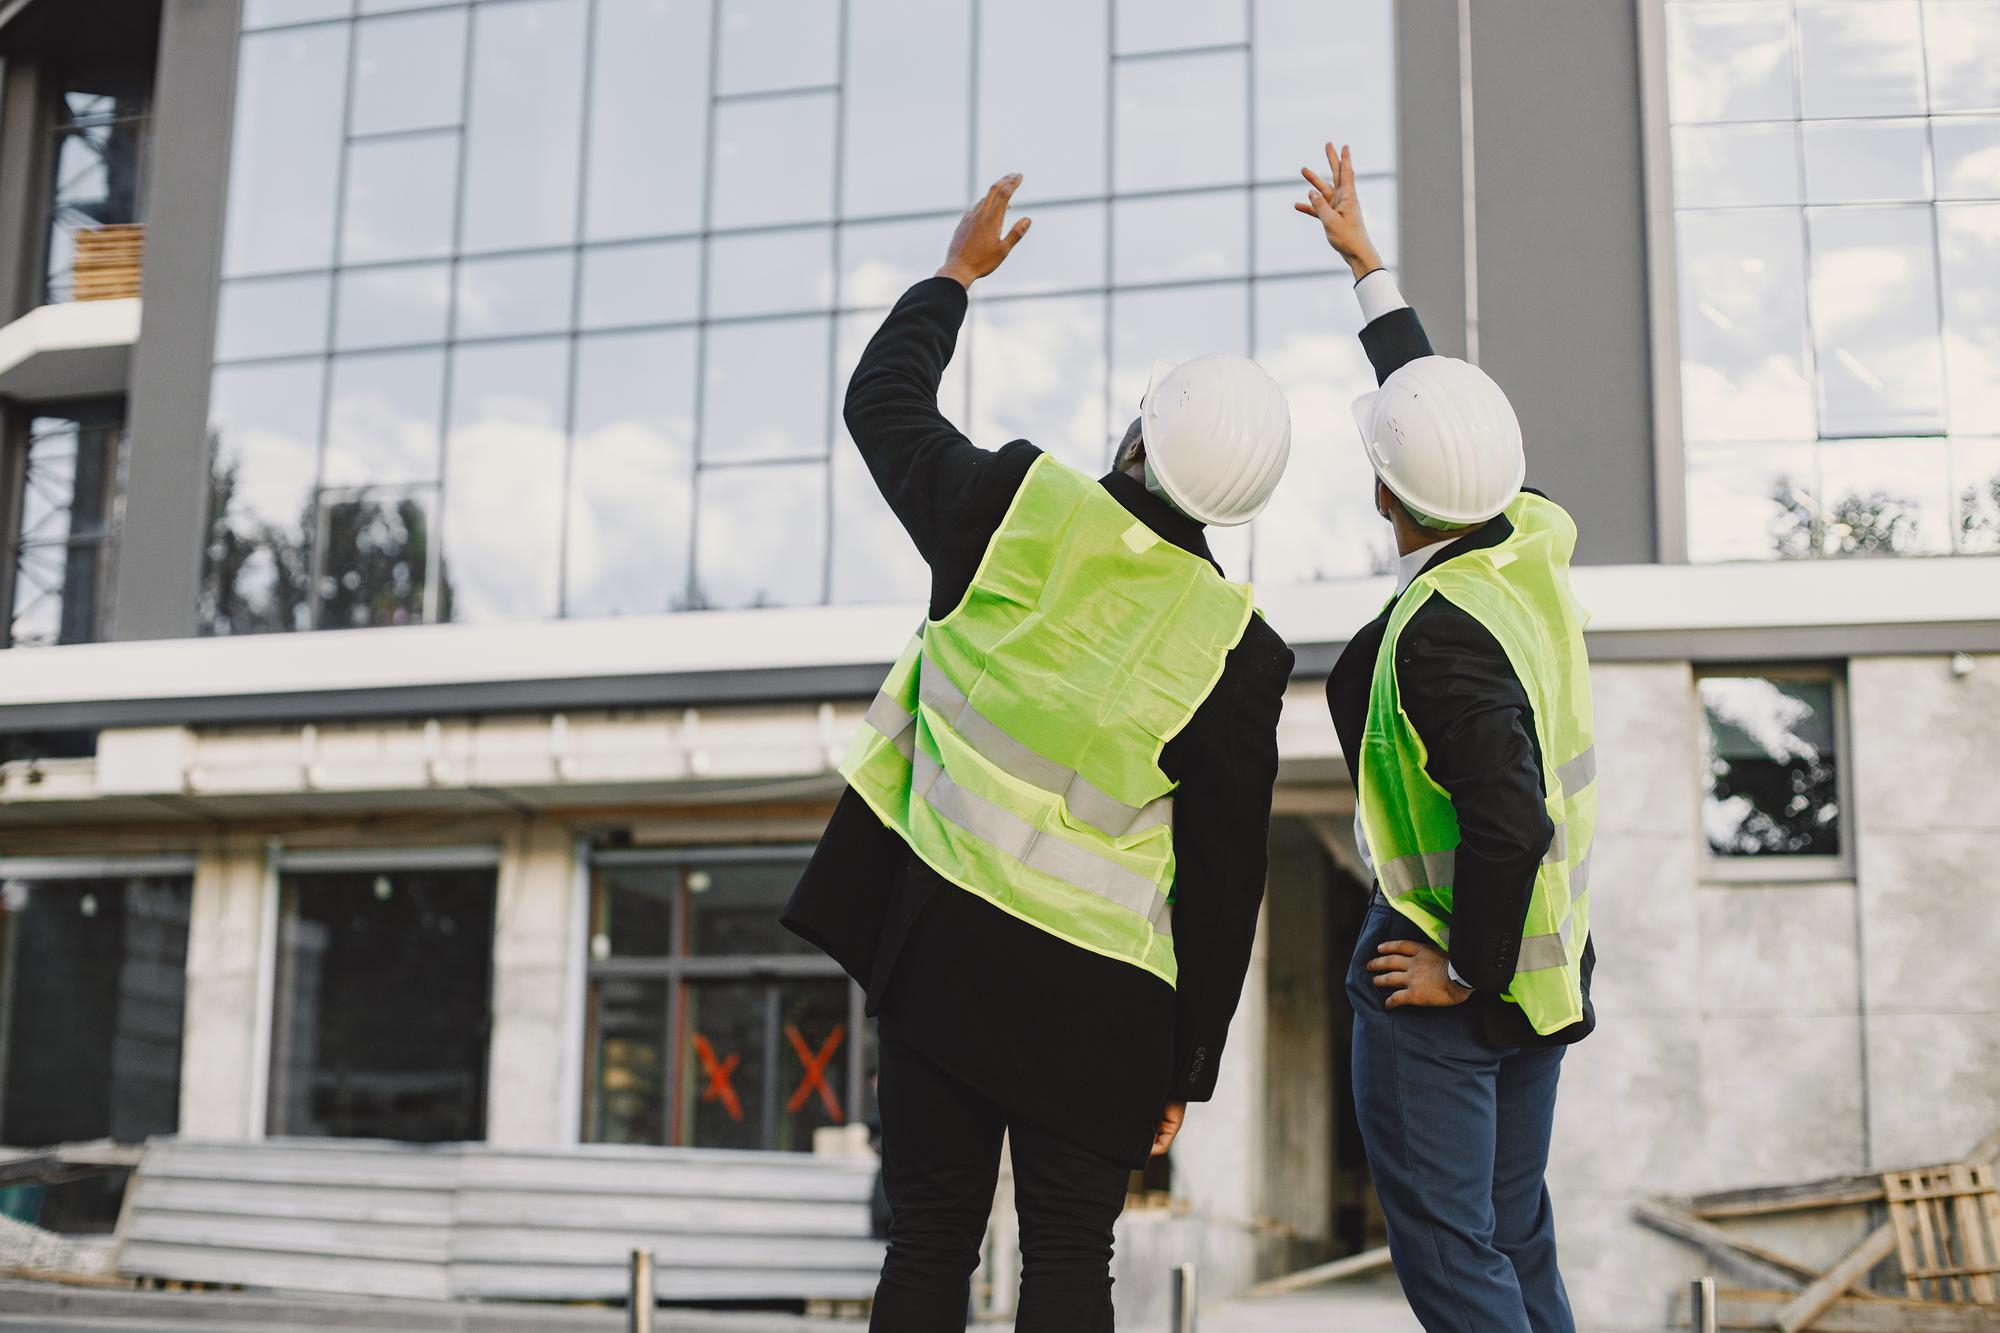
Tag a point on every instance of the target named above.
point(76, 349)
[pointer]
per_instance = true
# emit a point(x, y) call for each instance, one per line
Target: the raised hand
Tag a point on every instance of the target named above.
point(978, 247)
point(1338, 208)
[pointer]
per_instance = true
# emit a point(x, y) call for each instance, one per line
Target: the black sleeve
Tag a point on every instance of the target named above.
point(925, 468)
point(1222, 828)
point(1393, 341)
point(1478, 730)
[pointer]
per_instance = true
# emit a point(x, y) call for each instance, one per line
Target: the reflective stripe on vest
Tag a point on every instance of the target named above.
point(1015, 744)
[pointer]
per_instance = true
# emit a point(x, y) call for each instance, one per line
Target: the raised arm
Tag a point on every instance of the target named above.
point(1393, 336)
point(923, 464)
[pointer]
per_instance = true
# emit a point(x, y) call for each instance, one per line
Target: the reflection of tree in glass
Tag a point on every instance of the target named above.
point(1772, 786)
point(374, 563)
point(1979, 515)
point(1856, 524)
point(255, 575)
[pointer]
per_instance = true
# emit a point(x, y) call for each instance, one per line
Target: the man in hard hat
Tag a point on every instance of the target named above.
point(1464, 712)
point(1047, 867)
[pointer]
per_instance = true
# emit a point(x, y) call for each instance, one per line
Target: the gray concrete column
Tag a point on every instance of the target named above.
point(222, 1061)
point(532, 1088)
point(161, 548)
point(1557, 268)
point(24, 157)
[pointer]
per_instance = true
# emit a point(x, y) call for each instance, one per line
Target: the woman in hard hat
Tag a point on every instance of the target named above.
point(1048, 864)
point(1464, 712)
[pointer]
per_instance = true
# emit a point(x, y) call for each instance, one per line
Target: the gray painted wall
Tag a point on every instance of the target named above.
point(23, 163)
point(159, 565)
point(1560, 247)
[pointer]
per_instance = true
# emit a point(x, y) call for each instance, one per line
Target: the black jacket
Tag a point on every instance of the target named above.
point(1085, 1046)
point(1478, 728)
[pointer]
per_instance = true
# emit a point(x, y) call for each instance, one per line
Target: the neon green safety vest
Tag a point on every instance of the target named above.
point(1519, 590)
point(1016, 743)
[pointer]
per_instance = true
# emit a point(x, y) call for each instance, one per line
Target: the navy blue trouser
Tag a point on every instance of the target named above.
point(1457, 1136)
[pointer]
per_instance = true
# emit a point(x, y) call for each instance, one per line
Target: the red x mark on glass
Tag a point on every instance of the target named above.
point(814, 1063)
point(719, 1088)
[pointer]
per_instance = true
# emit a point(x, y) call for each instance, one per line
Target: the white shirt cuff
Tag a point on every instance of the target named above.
point(1449, 970)
point(1378, 295)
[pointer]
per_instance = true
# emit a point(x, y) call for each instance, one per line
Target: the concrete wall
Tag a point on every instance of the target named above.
point(1762, 1033)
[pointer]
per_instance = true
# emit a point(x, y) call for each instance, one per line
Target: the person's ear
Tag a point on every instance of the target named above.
point(1383, 499)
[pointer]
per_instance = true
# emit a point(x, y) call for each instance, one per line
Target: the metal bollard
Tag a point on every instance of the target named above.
point(1182, 1298)
point(1701, 1305)
point(639, 1308)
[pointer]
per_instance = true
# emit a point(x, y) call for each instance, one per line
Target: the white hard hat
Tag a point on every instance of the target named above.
point(1444, 439)
point(1218, 434)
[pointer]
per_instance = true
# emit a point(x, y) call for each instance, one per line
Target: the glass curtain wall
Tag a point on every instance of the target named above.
point(99, 162)
point(1837, 193)
point(545, 307)
point(71, 481)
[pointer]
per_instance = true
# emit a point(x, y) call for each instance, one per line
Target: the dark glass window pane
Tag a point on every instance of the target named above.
point(1772, 771)
point(524, 142)
point(373, 553)
point(733, 908)
point(649, 88)
point(631, 501)
point(747, 1078)
point(291, 93)
point(71, 486)
point(632, 912)
point(383, 1005)
point(503, 489)
point(99, 162)
point(399, 198)
point(903, 54)
point(409, 72)
point(628, 1033)
point(385, 417)
point(96, 975)
point(264, 437)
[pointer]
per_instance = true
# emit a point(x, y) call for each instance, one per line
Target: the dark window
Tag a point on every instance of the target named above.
point(70, 483)
point(1770, 750)
point(91, 993)
point(710, 1024)
point(383, 1005)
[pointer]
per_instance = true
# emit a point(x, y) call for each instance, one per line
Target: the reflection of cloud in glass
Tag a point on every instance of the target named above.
point(266, 423)
point(766, 390)
point(1860, 59)
point(1970, 255)
point(1875, 317)
point(1038, 374)
point(762, 536)
point(503, 479)
point(873, 558)
point(631, 482)
point(1977, 478)
point(392, 307)
point(1749, 502)
point(1885, 497)
point(1730, 62)
point(880, 261)
point(1321, 523)
point(1968, 157)
point(1962, 42)
point(1743, 326)
point(383, 426)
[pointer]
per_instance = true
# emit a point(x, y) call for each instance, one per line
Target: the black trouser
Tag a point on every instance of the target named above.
point(940, 1160)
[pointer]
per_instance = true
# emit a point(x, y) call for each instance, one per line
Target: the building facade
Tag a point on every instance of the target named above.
point(507, 338)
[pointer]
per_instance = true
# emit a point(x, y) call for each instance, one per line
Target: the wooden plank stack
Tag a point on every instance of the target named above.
point(1947, 1221)
point(110, 262)
point(472, 1221)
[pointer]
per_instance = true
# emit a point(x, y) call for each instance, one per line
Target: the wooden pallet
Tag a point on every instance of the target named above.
point(1947, 1221)
point(110, 262)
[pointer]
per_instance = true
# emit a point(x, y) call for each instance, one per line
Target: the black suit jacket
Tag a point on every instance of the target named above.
point(1478, 728)
point(1085, 1046)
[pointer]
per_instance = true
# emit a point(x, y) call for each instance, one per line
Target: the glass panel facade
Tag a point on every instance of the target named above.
point(546, 307)
point(709, 1024)
point(1768, 747)
point(383, 1004)
point(1835, 185)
